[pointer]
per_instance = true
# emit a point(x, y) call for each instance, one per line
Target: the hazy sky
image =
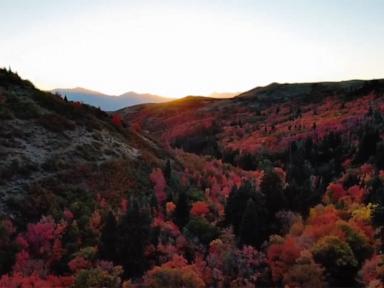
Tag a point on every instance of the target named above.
point(175, 48)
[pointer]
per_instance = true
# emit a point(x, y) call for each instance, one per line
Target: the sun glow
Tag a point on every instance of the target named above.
point(170, 51)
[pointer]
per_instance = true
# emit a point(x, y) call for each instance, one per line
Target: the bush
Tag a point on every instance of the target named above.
point(338, 259)
point(201, 229)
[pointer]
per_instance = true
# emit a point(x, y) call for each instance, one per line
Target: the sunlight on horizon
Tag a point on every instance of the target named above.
point(174, 50)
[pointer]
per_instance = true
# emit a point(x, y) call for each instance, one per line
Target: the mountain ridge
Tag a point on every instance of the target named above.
point(105, 101)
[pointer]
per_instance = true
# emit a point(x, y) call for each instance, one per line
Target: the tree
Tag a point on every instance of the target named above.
point(8, 248)
point(199, 208)
point(272, 188)
point(201, 229)
point(181, 215)
point(175, 273)
point(168, 170)
point(237, 203)
point(107, 247)
point(253, 230)
point(367, 145)
point(229, 205)
point(160, 184)
point(117, 120)
point(304, 273)
point(338, 259)
point(281, 256)
point(133, 235)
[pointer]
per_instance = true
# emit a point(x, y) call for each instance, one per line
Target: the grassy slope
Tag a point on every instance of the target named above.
point(54, 152)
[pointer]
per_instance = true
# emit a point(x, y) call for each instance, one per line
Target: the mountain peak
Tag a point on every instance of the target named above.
point(108, 102)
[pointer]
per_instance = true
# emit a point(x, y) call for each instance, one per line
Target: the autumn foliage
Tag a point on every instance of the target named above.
point(278, 189)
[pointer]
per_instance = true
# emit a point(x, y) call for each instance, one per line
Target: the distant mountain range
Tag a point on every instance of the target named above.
point(112, 102)
point(108, 102)
point(224, 94)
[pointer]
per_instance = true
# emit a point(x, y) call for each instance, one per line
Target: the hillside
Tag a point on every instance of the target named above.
point(50, 144)
point(281, 186)
point(262, 120)
point(108, 102)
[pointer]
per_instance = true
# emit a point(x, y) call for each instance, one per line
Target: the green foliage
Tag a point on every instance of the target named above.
point(97, 277)
point(338, 259)
point(201, 229)
point(358, 242)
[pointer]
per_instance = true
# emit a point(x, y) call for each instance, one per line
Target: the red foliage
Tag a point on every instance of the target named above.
point(356, 193)
point(159, 182)
point(40, 247)
point(281, 256)
point(335, 191)
point(68, 215)
point(78, 263)
point(19, 281)
point(95, 221)
point(372, 271)
point(117, 120)
point(170, 207)
point(76, 105)
point(124, 205)
point(199, 208)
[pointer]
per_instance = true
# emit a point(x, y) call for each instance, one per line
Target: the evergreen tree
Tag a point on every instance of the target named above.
point(272, 188)
point(181, 215)
point(367, 145)
point(168, 171)
point(253, 229)
point(133, 235)
point(237, 203)
point(228, 214)
point(107, 247)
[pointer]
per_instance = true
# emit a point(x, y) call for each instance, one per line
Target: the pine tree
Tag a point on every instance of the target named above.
point(272, 188)
point(181, 215)
point(133, 236)
point(168, 170)
point(107, 247)
point(228, 212)
point(237, 203)
point(253, 230)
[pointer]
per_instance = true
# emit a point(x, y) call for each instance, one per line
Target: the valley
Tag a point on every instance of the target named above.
point(280, 186)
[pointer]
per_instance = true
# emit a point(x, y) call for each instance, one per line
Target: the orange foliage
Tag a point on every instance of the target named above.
point(199, 208)
point(170, 208)
point(281, 256)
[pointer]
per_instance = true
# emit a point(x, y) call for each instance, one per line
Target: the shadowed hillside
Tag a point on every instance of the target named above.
point(51, 148)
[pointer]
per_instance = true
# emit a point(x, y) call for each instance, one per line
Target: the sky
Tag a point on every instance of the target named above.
point(178, 48)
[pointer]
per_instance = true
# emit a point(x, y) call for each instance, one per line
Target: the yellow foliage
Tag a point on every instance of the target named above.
point(363, 213)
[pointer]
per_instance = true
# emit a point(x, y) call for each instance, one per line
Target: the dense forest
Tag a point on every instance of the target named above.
point(281, 186)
